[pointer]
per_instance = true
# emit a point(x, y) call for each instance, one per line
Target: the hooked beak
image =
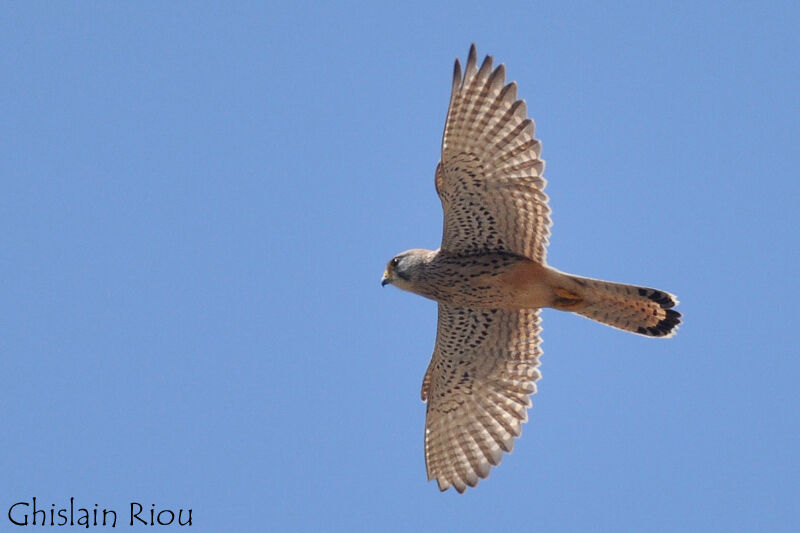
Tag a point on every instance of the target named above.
point(386, 279)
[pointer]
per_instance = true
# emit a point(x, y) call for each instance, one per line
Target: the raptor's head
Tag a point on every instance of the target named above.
point(406, 268)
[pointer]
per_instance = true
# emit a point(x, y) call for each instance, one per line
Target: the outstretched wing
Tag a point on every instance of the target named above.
point(490, 176)
point(477, 387)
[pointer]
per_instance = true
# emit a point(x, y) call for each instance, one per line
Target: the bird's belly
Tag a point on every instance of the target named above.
point(475, 295)
point(522, 285)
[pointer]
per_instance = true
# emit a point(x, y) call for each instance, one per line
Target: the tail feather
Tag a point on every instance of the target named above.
point(639, 310)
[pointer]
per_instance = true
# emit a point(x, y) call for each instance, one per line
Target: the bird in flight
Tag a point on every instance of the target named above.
point(490, 279)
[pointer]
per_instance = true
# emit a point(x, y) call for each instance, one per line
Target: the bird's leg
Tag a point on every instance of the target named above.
point(566, 300)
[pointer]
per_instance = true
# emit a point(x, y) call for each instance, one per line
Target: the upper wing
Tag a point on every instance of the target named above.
point(483, 369)
point(490, 176)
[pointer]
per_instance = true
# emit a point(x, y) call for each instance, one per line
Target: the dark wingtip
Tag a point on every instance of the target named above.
point(456, 74)
point(472, 59)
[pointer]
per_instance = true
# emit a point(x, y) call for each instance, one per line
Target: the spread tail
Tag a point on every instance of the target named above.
point(636, 309)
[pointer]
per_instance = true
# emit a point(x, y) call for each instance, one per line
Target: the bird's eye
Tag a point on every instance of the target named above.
point(395, 261)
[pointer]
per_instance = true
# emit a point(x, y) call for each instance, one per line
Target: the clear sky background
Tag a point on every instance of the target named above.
point(197, 201)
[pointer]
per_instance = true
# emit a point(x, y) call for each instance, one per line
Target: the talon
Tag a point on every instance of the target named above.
point(566, 300)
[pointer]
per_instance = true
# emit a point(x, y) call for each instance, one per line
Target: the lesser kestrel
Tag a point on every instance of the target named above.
point(490, 279)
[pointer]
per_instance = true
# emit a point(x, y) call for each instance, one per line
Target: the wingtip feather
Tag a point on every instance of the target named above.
point(486, 67)
point(472, 63)
point(498, 77)
point(456, 75)
point(473, 53)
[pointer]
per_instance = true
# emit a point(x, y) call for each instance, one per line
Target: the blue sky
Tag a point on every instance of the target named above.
point(197, 201)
